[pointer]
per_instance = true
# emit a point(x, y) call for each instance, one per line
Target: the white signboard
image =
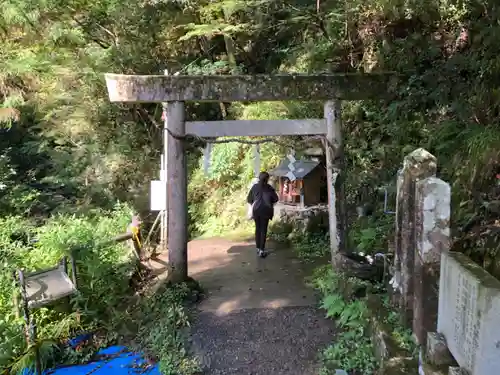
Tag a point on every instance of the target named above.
point(158, 195)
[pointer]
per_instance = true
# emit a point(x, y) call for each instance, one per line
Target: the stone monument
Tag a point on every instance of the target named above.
point(469, 314)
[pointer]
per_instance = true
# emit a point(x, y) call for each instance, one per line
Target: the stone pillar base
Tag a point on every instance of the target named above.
point(437, 352)
point(437, 359)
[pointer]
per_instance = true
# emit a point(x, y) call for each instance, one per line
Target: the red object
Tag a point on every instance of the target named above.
point(498, 176)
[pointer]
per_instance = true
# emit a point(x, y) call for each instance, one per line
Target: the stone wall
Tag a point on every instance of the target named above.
point(294, 220)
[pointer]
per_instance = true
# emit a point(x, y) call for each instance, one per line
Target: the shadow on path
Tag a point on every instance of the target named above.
point(258, 316)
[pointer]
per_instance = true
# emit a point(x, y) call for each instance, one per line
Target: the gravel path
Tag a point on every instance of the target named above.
point(283, 341)
point(258, 317)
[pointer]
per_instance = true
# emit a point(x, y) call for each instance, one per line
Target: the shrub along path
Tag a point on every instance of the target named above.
point(258, 317)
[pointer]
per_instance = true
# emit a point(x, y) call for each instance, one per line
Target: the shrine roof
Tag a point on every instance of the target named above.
point(302, 168)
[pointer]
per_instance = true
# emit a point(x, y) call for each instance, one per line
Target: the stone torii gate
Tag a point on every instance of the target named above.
point(176, 90)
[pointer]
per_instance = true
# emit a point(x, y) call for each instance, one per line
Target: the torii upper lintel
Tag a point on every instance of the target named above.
point(230, 88)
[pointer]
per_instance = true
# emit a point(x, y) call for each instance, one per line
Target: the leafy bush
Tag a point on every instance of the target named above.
point(370, 235)
point(312, 246)
point(218, 211)
point(403, 336)
point(163, 321)
point(103, 273)
point(352, 350)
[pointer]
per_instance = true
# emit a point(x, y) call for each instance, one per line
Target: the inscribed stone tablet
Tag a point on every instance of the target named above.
point(469, 314)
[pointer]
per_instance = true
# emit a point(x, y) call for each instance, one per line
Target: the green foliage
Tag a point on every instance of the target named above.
point(46, 350)
point(218, 200)
point(207, 67)
point(222, 211)
point(352, 350)
point(162, 329)
point(370, 235)
point(72, 152)
point(103, 274)
point(403, 336)
point(105, 302)
point(54, 58)
point(312, 246)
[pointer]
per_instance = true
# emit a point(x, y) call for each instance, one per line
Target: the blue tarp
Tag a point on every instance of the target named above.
point(119, 361)
point(115, 360)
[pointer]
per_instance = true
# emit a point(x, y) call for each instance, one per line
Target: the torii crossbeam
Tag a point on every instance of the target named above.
point(175, 90)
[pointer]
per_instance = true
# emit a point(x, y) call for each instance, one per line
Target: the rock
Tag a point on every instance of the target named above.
point(457, 371)
point(437, 352)
point(426, 369)
point(355, 265)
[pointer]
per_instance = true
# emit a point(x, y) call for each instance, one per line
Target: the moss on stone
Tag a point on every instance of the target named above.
point(161, 88)
point(486, 279)
point(393, 358)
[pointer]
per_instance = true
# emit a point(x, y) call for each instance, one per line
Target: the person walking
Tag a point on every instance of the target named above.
point(262, 197)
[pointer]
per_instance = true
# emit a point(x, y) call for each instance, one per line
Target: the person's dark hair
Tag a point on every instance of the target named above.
point(263, 178)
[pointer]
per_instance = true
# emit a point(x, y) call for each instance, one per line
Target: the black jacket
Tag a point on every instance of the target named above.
point(264, 197)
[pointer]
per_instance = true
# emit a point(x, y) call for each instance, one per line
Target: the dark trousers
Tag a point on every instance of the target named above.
point(261, 224)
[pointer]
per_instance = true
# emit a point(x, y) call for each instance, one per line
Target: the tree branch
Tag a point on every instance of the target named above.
point(92, 37)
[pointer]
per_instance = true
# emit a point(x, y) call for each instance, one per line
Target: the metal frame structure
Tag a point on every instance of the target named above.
point(35, 293)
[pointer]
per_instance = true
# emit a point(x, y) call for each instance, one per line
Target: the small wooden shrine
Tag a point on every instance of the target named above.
point(309, 186)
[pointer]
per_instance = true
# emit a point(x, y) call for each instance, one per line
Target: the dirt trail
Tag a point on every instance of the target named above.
point(258, 317)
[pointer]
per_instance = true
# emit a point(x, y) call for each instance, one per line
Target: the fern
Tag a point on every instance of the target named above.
point(211, 30)
point(46, 351)
point(334, 305)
